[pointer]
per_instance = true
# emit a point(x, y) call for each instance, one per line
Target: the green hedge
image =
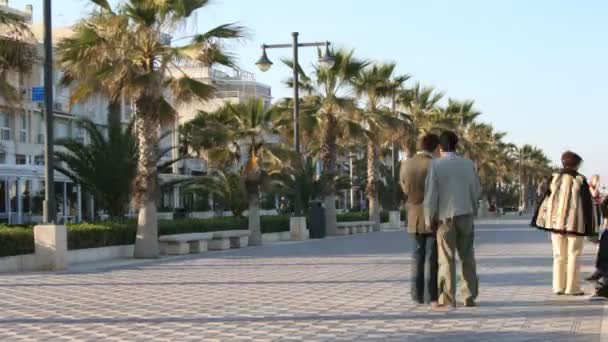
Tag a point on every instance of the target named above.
point(101, 234)
point(16, 240)
point(274, 224)
point(364, 216)
point(353, 216)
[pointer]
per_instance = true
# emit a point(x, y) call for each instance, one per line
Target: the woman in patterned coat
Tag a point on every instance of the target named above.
point(567, 212)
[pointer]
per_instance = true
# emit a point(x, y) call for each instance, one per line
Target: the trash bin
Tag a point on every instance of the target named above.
point(316, 219)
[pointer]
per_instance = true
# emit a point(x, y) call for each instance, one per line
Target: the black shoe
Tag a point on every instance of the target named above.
point(600, 294)
point(594, 277)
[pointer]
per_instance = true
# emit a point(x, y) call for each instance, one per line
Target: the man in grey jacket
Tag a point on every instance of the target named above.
point(451, 198)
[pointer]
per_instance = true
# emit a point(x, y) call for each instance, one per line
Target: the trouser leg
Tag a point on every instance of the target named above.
point(575, 248)
point(465, 238)
point(560, 258)
point(417, 290)
point(446, 281)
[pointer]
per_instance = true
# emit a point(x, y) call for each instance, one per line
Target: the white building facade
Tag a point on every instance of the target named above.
point(22, 135)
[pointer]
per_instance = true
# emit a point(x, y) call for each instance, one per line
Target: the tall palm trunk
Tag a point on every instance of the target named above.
point(252, 177)
point(328, 156)
point(146, 187)
point(372, 189)
point(255, 231)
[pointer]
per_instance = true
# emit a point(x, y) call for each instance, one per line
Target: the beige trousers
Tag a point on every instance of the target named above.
point(457, 236)
point(566, 268)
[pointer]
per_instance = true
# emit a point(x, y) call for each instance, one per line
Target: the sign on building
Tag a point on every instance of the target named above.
point(37, 94)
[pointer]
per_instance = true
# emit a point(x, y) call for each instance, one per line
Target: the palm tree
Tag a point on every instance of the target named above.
point(283, 181)
point(328, 90)
point(226, 187)
point(17, 54)
point(106, 166)
point(250, 125)
point(421, 105)
point(128, 51)
point(378, 123)
point(533, 167)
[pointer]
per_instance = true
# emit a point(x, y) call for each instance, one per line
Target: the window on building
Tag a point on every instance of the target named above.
point(5, 126)
point(39, 160)
point(61, 130)
point(80, 135)
point(23, 129)
point(20, 159)
point(3, 158)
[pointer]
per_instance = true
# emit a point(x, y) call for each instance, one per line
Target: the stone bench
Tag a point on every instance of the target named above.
point(356, 227)
point(178, 244)
point(227, 239)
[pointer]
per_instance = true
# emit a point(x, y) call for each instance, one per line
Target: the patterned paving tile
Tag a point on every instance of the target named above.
point(338, 289)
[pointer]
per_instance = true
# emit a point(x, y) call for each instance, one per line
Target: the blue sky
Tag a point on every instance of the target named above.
point(536, 69)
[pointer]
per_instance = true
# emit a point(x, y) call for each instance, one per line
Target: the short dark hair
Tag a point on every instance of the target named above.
point(448, 141)
point(571, 160)
point(429, 142)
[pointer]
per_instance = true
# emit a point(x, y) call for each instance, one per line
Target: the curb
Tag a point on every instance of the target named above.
point(604, 326)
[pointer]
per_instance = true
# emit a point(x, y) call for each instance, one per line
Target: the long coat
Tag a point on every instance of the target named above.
point(412, 181)
point(567, 207)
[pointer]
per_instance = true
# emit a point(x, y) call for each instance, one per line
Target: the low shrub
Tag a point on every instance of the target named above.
point(16, 240)
point(100, 234)
point(353, 216)
point(384, 216)
point(274, 224)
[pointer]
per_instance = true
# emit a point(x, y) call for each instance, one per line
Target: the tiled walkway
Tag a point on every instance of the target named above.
point(339, 289)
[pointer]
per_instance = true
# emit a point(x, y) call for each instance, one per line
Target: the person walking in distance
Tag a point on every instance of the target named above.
point(567, 212)
point(412, 179)
point(451, 200)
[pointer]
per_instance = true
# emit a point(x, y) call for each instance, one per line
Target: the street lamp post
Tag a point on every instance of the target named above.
point(264, 64)
point(49, 191)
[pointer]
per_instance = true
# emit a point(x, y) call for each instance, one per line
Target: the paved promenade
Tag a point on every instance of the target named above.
point(339, 289)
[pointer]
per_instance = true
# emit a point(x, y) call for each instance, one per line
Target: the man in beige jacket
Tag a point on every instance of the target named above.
point(412, 179)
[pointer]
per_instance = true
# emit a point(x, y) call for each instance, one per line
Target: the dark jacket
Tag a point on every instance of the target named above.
point(567, 207)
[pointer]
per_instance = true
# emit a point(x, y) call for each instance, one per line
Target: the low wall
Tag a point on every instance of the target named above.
point(27, 262)
point(269, 238)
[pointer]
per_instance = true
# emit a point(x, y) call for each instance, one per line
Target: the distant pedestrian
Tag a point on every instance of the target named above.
point(412, 180)
point(567, 212)
point(451, 200)
point(596, 196)
point(601, 262)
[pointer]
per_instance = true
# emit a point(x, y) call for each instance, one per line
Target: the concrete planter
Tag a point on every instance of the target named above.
point(27, 262)
point(297, 228)
point(269, 238)
point(165, 216)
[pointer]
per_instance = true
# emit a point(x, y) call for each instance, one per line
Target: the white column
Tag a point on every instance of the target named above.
point(176, 197)
point(19, 199)
point(79, 203)
point(65, 200)
point(352, 188)
point(92, 207)
point(7, 199)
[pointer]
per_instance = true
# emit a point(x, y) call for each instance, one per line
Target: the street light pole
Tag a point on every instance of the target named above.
point(265, 64)
point(296, 121)
point(50, 215)
point(393, 154)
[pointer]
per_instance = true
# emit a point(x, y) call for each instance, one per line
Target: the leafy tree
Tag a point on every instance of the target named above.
point(128, 51)
point(106, 166)
point(17, 54)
